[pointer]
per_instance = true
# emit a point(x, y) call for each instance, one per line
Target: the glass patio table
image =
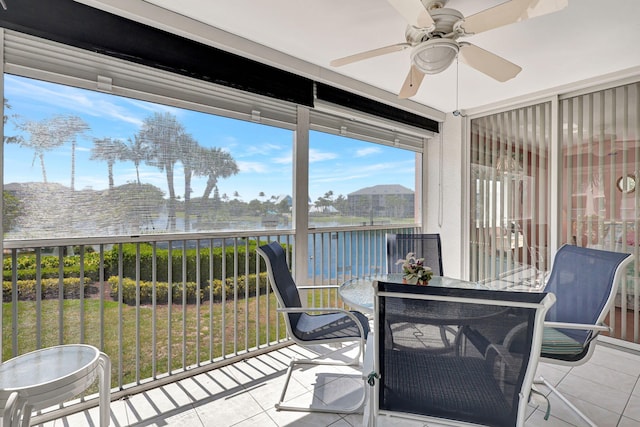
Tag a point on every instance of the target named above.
point(358, 292)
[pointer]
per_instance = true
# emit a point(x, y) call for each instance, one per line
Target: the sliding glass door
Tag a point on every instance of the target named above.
point(510, 191)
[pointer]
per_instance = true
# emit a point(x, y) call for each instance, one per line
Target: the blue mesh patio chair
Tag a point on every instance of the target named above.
point(585, 283)
point(425, 246)
point(486, 381)
point(329, 325)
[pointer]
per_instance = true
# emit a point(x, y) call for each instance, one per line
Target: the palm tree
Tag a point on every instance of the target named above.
point(70, 127)
point(136, 151)
point(44, 135)
point(162, 133)
point(108, 150)
point(217, 164)
point(190, 156)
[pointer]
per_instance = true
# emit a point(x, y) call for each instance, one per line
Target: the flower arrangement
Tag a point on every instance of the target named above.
point(414, 271)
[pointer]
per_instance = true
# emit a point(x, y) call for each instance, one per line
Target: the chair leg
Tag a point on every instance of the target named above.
point(357, 408)
point(104, 379)
point(554, 390)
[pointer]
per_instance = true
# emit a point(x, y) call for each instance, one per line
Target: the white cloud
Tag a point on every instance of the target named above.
point(266, 149)
point(320, 156)
point(258, 167)
point(368, 151)
point(363, 171)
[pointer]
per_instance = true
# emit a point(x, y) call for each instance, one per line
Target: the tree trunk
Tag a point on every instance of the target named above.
point(44, 171)
point(187, 199)
point(171, 220)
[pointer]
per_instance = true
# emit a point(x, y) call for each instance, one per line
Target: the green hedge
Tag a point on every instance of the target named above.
point(49, 267)
point(49, 289)
point(191, 259)
point(162, 290)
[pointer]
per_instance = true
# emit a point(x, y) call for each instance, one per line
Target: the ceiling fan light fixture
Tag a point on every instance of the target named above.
point(435, 55)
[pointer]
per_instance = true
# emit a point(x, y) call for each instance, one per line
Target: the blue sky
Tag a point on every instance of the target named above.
point(263, 153)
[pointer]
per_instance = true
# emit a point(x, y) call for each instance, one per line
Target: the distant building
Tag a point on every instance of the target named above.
point(392, 200)
point(323, 209)
point(283, 197)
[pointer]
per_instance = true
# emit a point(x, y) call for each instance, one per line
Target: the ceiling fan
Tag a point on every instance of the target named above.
point(433, 31)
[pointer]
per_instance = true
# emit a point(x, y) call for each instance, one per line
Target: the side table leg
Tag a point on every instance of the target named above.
point(104, 378)
point(10, 415)
point(25, 414)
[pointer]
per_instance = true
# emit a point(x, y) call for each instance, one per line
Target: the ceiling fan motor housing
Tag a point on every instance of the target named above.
point(436, 49)
point(445, 21)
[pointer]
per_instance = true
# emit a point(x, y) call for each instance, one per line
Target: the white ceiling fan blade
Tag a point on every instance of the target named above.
point(510, 12)
point(488, 63)
point(411, 83)
point(413, 12)
point(368, 54)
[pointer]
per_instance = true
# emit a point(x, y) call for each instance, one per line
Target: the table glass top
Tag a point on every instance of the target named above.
point(45, 365)
point(358, 292)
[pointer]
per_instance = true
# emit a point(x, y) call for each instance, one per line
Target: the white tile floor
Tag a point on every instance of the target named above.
point(607, 389)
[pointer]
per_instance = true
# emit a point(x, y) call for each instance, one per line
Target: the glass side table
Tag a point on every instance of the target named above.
point(50, 376)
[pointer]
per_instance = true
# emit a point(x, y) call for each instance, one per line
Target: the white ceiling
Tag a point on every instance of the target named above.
point(588, 39)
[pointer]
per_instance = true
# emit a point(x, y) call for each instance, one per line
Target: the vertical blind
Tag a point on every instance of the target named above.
point(600, 169)
point(509, 191)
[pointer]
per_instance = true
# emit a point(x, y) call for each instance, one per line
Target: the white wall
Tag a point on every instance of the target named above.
point(444, 183)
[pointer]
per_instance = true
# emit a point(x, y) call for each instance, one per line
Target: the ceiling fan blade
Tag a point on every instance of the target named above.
point(488, 63)
point(411, 83)
point(369, 54)
point(414, 12)
point(510, 12)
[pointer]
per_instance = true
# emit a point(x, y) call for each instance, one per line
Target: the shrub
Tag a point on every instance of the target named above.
point(49, 288)
point(49, 267)
point(162, 290)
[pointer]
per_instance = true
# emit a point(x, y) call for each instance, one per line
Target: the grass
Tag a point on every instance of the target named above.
point(178, 330)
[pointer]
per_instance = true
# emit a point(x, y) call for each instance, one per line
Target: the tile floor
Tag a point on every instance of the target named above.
point(607, 388)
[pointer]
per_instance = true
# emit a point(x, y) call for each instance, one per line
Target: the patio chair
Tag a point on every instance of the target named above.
point(331, 325)
point(425, 246)
point(487, 380)
point(585, 282)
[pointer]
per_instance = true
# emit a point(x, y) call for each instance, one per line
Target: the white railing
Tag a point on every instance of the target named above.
point(157, 305)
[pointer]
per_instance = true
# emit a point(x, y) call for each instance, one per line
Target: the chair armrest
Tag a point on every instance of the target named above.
point(501, 352)
point(311, 309)
point(498, 356)
point(581, 326)
point(512, 335)
point(326, 310)
point(368, 364)
point(312, 287)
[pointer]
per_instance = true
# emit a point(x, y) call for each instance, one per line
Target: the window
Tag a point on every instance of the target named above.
point(354, 182)
point(83, 163)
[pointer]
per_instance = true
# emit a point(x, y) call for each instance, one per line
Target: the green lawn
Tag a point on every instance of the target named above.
point(119, 324)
